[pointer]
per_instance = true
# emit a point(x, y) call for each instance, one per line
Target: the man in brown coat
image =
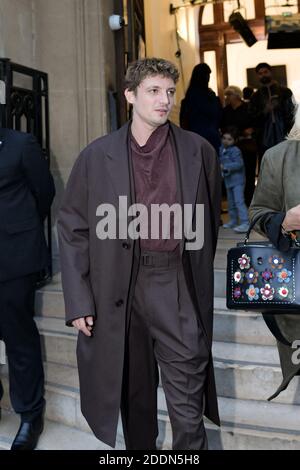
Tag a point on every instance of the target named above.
point(141, 293)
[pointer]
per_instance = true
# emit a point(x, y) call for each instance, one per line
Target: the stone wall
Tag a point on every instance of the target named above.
point(71, 41)
point(17, 26)
point(75, 47)
point(161, 41)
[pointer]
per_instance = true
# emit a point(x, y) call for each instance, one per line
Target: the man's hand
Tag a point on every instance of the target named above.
point(84, 324)
point(292, 219)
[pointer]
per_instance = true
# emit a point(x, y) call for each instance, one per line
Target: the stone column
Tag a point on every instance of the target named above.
point(74, 45)
point(16, 31)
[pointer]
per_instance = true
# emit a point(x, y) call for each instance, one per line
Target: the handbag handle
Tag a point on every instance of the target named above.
point(252, 224)
point(255, 220)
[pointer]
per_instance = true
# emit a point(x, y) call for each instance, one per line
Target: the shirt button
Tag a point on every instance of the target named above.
point(119, 303)
point(126, 246)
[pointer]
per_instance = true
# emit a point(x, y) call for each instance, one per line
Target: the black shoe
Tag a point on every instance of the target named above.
point(28, 435)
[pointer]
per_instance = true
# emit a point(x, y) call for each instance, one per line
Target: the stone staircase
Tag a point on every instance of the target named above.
point(246, 366)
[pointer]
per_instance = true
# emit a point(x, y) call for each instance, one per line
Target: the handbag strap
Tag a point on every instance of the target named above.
point(294, 238)
point(252, 224)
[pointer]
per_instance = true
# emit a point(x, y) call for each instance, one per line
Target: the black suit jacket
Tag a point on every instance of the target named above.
point(26, 193)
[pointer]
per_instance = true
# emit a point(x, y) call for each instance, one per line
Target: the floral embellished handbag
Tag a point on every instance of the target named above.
point(259, 277)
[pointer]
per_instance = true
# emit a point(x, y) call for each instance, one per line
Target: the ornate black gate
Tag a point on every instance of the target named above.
point(25, 107)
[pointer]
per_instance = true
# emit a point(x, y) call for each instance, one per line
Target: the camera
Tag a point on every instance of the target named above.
point(116, 22)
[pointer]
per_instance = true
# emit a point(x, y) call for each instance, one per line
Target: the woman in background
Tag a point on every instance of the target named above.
point(201, 109)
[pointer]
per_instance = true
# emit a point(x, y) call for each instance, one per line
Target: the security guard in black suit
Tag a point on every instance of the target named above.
point(26, 193)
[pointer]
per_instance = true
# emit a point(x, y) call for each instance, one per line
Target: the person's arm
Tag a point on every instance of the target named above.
point(274, 232)
point(256, 108)
point(236, 164)
point(38, 176)
point(267, 200)
point(280, 225)
point(73, 232)
point(291, 221)
point(289, 106)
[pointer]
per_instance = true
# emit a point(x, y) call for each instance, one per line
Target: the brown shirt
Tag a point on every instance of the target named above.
point(155, 181)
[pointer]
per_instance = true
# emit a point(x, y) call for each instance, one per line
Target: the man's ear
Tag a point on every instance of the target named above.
point(129, 95)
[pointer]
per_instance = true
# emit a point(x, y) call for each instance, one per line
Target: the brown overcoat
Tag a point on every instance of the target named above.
point(97, 274)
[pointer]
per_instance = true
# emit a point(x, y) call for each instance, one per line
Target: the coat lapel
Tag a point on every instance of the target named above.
point(118, 164)
point(189, 166)
point(188, 170)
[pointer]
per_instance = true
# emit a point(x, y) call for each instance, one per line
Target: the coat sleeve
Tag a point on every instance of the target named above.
point(268, 195)
point(273, 231)
point(288, 111)
point(73, 235)
point(38, 176)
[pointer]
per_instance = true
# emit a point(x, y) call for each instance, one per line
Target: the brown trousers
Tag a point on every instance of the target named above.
point(164, 330)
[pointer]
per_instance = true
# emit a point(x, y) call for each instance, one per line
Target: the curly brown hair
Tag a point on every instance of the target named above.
point(140, 69)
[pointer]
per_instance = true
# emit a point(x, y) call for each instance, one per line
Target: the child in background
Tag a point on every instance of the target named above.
point(233, 171)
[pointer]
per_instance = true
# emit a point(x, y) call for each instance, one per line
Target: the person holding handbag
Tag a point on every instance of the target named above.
point(276, 204)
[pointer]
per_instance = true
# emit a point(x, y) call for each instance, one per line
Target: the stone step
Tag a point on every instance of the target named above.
point(245, 424)
point(62, 409)
point(240, 326)
point(55, 436)
point(243, 370)
point(58, 340)
point(232, 436)
point(62, 394)
point(236, 377)
point(61, 348)
point(219, 283)
point(248, 354)
point(271, 416)
point(276, 423)
point(253, 382)
point(49, 301)
point(229, 325)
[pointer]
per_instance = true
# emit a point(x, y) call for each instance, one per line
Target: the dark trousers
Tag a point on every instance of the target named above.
point(250, 160)
point(20, 335)
point(249, 153)
point(164, 330)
